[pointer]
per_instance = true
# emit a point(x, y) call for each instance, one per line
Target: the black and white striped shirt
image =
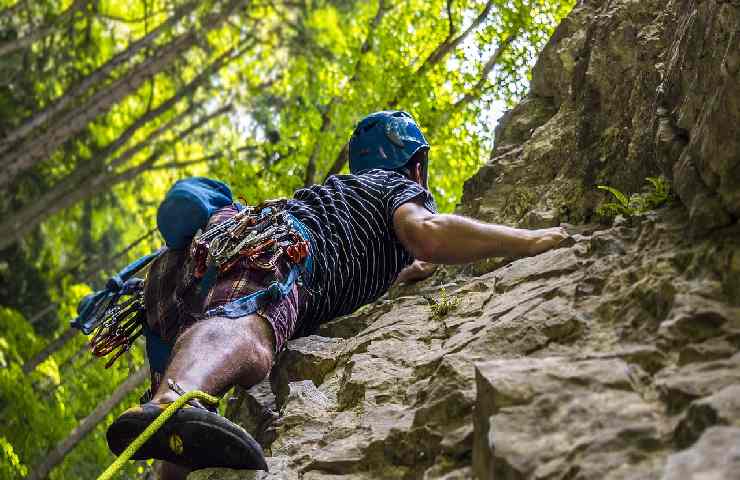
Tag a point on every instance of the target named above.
point(356, 256)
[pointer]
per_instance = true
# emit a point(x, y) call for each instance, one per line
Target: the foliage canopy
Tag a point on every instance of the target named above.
point(104, 103)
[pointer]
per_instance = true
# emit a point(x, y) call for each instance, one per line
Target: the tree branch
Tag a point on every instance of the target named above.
point(95, 78)
point(53, 458)
point(475, 92)
point(308, 179)
point(437, 55)
point(187, 163)
point(13, 9)
point(440, 52)
point(83, 186)
point(39, 209)
point(11, 46)
point(116, 18)
point(35, 150)
point(342, 158)
point(451, 28)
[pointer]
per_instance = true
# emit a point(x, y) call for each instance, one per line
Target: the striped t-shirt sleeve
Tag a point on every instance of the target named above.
point(402, 190)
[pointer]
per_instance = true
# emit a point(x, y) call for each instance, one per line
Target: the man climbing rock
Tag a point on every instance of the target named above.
point(221, 306)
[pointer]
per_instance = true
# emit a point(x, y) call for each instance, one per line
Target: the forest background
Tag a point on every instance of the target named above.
point(105, 103)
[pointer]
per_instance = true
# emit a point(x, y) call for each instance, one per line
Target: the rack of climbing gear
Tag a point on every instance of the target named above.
point(117, 319)
point(115, 315)
point(261, 236)
point(119, 327)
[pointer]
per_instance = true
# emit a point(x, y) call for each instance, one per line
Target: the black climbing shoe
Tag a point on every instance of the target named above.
point(193, 437)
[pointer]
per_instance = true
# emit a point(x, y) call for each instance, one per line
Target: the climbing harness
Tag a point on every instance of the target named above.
point(250, 234)
point(153, 427)
point(261, 237)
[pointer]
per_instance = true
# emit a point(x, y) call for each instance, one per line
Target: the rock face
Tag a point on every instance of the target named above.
point(624, 90)
point(616, 356)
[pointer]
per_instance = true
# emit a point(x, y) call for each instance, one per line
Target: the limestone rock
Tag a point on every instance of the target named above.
point(721, 408)
point(614, 356)
point(716, 456)
point(582, 366)
point(531, 417)
point(306, 358)
point(673, 111)
point(680, 386)
point(255, 409)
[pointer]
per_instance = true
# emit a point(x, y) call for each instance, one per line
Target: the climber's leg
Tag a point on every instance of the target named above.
point(217, 353)
point(211, 356)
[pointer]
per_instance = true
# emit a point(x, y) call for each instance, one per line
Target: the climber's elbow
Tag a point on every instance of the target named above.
point(427, 243)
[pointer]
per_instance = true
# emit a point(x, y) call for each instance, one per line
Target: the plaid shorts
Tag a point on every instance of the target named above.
point(173, 304)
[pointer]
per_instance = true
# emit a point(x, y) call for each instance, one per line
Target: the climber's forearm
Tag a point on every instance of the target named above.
point(453, 239)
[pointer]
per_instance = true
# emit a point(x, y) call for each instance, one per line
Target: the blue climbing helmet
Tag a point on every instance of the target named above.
point(386, 140)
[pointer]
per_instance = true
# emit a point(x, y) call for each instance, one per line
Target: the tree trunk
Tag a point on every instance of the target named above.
point(342, 158)
point(11, 46)
point(37, 149)
point(310, 175)
point(95, 78)
point(24, 220)
point(12, 10)
point(438, 54)
point(56, 456)
point(105, 180)
point(100, 180)
point(311, 165)
point(54, 346)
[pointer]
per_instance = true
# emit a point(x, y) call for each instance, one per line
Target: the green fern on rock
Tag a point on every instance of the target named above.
point(443, 305)
point(656, 193)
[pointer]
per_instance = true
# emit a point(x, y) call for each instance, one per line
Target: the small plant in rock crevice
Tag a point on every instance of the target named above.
point(442, 306)
point(656, 193)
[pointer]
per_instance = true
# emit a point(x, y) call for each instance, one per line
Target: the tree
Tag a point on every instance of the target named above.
point(87, 424)
point(104, 103)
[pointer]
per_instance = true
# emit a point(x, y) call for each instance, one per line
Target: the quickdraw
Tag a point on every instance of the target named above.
point(121, 323)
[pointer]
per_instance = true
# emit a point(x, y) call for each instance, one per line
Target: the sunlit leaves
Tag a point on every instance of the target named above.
point(301, 81)
point(323, 55)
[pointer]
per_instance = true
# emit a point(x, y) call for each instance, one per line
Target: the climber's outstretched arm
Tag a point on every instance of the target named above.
point(453, 239)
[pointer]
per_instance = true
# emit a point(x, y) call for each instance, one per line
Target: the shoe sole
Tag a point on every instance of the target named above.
point(193, 438)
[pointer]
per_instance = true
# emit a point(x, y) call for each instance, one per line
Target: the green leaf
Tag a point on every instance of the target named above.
point(621, 197)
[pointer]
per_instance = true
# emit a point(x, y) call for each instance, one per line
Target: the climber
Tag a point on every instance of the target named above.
point(358, 233)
